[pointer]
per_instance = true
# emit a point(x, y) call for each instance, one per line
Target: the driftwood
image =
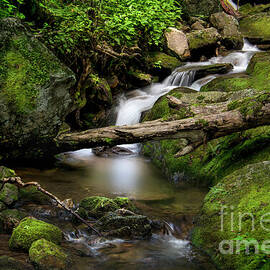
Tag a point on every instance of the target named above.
point(20, 184)
point(210, 122)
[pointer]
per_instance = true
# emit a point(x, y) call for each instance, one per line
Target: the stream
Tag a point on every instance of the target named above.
point(135, 177)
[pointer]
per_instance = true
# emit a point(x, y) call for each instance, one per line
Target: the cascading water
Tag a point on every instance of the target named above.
point(130, 109)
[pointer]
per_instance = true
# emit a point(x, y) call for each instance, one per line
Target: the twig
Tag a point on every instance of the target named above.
point(19, 183)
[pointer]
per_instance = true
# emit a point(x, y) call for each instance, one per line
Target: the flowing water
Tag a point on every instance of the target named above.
point(134, 176)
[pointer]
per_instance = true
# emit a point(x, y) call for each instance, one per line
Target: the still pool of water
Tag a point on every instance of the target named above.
point(136, 178)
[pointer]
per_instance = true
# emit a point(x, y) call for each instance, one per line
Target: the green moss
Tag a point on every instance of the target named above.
point(248, 9)
point(250, 106)
point(31, 194)
point(29, 230)
point(6, 172)
point(9, 194)
point(208, 164)
point(202, 38)
point(247, 190)
point(97, 206)
point(47, 255)
point(161, 60)
point(25, 67)
point(256, 26)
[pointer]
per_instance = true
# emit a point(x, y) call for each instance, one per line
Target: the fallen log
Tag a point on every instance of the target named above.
point(212, 121)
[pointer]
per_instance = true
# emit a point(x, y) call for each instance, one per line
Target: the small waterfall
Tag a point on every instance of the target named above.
point(132, 105)
point(184, 78)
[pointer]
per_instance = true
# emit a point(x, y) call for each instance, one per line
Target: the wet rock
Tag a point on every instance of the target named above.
point(9, 194)
point(203, 71)
point(161, 64)
point(177, 42)
point(36, 97)
point(9, 263)
point(97, 206)
point(9, 219)
point(47, 255)
point(203, 39)
point(128, 225)
point(29, 230)
point(111, 152)
point(228, 26)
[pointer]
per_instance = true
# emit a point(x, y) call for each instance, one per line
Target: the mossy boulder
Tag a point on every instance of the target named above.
point(203, 41)
point(6, 172)
point(9, 194)
point(97, 206)
point(34, 93)
point(31, 194)
point(9, 219)
point(161, 64)
point(139, 79)
point(256, 27)
point(228, 27)
point(244, 193)
point(29, 230)
point(124, 225)
point(46, 255)
point(2, 206)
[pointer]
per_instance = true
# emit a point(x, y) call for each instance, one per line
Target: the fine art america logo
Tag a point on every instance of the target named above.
point(243, 243)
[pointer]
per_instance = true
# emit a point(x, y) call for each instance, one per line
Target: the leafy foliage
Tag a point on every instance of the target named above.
point(79, 25)
point(7, 9)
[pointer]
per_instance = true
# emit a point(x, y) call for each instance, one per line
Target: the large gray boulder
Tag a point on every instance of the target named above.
point(34, 93)
point(228, 27)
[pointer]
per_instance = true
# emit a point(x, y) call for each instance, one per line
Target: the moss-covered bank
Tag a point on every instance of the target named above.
point(232, 211)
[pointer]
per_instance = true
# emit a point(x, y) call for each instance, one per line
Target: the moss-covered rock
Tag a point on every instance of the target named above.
point(6, 172)
point(31, 194)
point(202, 40)
point(256, 27)
point(139, 79)
point(9, 219)
point(127, 225)
point(97, 206)
point(244, 193)
point(9, 194)
point(29, 230)
point(47, 255)
point(258, 77)
point(34, 92)
point(161, 64)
